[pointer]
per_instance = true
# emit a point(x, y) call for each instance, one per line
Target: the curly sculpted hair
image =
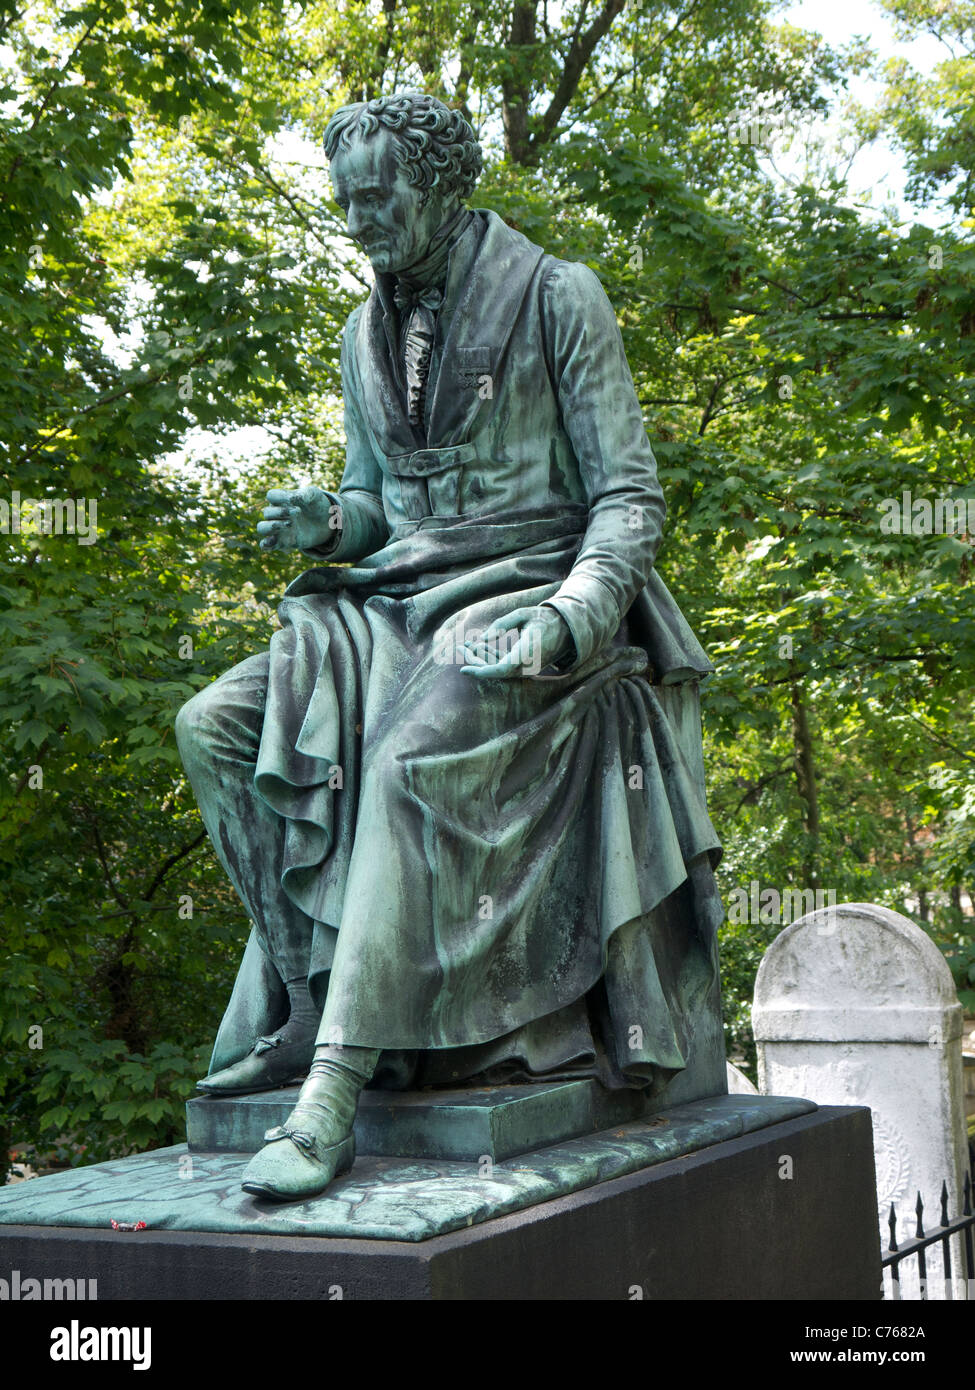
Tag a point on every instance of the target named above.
point(434, 145)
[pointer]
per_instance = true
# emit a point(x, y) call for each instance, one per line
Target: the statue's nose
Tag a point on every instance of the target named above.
point(356, 223)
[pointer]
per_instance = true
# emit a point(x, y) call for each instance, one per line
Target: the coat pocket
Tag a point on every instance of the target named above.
point(405, 499)
point(432, 478)
point(475, 371)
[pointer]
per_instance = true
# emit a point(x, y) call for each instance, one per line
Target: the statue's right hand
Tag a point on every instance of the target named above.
point(298, 520)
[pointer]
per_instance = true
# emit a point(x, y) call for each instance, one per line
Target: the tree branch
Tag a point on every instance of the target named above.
point(635, 65)
point(751, 793)
point(580, 51)
point(103, 860)
point(940, 739)
point(708, 415)
point(173, 859)
point(59, 77)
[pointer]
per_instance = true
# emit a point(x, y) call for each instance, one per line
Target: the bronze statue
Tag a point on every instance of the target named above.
point(461, 796)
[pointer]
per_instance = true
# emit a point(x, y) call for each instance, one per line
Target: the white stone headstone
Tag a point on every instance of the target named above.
point(738, 1082)
point(855, 1005)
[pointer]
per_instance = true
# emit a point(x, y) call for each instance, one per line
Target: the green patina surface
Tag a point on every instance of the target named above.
point(389, 1198)
point(493, 1121)
point(462, 794)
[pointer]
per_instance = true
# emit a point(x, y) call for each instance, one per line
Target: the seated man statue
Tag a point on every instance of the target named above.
point(461, 797)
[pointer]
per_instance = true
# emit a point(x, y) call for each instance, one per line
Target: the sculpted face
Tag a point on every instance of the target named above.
point(382, 209)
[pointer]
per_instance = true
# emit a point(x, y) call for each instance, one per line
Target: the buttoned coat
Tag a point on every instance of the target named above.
point(506, 877)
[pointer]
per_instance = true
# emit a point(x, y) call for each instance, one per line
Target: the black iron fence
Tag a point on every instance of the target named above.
point(942, 1234)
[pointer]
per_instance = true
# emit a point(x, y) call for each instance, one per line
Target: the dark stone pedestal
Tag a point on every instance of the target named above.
point(787, 1211)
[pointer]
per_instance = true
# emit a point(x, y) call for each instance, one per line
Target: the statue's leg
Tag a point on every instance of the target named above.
point(316, 1143)
point(219, 734)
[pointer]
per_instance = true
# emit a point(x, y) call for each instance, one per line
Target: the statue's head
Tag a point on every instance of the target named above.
point(400, 165)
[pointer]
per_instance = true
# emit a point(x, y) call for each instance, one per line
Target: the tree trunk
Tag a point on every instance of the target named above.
point(957, 915)
point(515, 86)
point(917, 866)
point(6, 1139)
point(125, 1020)
point(806, 785)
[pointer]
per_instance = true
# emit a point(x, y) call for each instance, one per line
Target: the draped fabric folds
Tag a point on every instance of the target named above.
point(499, 878)
point(507, 878)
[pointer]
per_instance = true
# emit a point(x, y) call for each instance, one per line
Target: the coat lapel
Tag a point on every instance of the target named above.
point(383, 400)
point(490, 270)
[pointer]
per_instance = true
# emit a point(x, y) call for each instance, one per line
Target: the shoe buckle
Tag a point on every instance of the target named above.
point(306, 1142)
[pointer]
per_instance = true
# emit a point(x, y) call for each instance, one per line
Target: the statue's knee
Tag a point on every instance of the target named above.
point(194, 725)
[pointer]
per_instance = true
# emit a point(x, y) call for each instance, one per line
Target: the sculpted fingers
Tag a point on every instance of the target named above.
point(493, 645)
point(276, 531)
point(518, 618)
point(275, 535)
point(520, 658)
point(294, 518)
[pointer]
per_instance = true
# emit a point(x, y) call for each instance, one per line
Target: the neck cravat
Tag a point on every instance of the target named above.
point(418, 306)
point(418, 295)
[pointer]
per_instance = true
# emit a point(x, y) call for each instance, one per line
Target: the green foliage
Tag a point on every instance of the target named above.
point(171, 265)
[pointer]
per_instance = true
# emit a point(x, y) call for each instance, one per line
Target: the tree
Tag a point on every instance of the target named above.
point(171, 263)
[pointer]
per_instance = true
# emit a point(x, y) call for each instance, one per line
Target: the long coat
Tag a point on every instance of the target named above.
point(511, 877)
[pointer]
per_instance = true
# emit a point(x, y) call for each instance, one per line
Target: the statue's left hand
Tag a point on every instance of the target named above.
point(521, 644)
